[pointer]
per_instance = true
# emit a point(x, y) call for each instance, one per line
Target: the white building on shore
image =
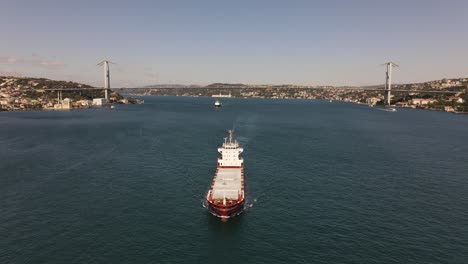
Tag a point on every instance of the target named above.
point(99, 101)
point(65, 104)
point(422, 101)
point(222, 95)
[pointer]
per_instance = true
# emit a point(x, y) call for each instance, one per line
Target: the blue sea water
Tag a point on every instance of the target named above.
point(326, 182)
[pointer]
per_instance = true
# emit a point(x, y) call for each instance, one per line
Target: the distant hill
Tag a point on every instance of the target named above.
point(37, 83)
point(30, 87)
point(226, 85)
point(170, 86)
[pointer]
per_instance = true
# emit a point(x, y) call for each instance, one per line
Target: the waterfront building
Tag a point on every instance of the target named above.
point(372, 100)
point(64, 105)
point(402, 104)
point(99, 101)
point(422, 101)
point(222, 95)
point(83, 103)
point(456, 99)
point(449, 109)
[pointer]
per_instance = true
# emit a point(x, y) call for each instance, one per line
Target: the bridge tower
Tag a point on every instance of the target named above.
point(106, 78)
point(388, 82)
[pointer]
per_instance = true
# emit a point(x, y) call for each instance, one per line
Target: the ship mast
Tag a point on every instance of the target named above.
point(230, 135)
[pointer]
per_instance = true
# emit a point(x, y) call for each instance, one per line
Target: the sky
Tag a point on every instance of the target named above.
point(257, 42)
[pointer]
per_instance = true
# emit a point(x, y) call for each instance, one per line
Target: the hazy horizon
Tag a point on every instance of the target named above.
point(254, 42)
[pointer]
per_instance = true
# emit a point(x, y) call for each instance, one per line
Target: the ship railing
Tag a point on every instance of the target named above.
point(230, 145)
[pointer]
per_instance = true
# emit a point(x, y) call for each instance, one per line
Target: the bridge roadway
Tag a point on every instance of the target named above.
point(315, 88)
point(407, 91)
point(74, 89)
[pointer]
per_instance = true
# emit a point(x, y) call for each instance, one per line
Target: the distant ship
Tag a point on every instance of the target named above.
point(217, 103)
point(226, 195)
point(390, 109)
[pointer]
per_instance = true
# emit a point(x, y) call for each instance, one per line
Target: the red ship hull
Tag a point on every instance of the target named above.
point(226, 211)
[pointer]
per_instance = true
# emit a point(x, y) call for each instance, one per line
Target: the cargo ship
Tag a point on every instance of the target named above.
point(226, 196)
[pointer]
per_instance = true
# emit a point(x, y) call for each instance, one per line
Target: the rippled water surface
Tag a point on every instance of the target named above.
point(328, 183)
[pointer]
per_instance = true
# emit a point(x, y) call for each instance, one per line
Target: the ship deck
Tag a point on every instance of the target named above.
point(227, 183)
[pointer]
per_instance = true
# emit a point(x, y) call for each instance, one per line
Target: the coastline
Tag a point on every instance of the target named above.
point(289, 98)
